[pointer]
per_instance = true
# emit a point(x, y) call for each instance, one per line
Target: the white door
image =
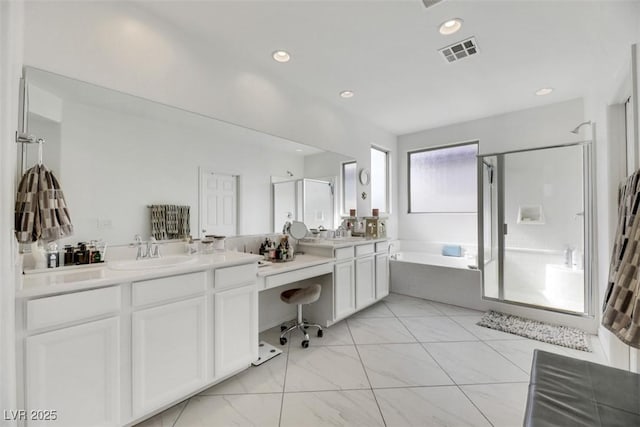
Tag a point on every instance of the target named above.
point(365, 281)
point(218, 204)
point(382, 275)
point(344, 289)
point(236, 329)
point(169, 353)
point(76, 372)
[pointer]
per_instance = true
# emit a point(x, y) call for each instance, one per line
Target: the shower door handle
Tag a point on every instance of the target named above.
point(504, 229)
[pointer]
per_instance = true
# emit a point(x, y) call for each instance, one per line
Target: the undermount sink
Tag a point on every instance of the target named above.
point(143, 264)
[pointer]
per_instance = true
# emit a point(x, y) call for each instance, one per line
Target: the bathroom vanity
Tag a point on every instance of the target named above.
point(112, 345)
point(103, 347)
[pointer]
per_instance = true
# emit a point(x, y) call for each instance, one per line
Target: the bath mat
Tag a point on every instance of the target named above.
point(540, 331)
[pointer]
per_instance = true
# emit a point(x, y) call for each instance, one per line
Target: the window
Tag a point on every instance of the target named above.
point(443, 179)
point(349, 198)
point(380, 179)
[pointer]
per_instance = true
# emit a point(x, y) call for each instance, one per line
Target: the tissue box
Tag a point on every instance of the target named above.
point(452, 250)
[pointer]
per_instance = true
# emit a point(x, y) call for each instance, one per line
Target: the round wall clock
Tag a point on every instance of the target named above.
point(364, 176)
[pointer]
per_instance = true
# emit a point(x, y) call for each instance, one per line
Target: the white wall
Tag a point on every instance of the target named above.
point(536, 127)
point(114, 164)
point(117, 45)
point(11, 19)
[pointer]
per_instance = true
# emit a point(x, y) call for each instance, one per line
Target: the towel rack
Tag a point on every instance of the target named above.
point(24, 138)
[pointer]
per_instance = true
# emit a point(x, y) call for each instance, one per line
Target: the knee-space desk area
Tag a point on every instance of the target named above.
point(353, 275)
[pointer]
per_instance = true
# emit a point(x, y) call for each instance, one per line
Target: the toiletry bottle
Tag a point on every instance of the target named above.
point(68, 255)
point(53, 260)
point(39, 256)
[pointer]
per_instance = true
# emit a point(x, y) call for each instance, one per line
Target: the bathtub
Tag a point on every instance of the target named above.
point(436, 277)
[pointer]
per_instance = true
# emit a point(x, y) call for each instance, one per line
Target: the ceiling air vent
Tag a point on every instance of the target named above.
point(460, 50)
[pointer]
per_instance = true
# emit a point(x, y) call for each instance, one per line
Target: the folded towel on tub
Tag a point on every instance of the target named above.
point(452, 250)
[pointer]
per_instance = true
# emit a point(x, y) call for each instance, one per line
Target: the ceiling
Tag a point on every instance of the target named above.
point(386, 51)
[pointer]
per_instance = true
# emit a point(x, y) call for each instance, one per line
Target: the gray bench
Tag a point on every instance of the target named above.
point(566, 392)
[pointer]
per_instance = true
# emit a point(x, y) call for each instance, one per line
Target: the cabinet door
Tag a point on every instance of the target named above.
point(365, 281)
point(344, 289)
point(76, 372)
point(382, 276)
point(169, 353)
point(236, 329)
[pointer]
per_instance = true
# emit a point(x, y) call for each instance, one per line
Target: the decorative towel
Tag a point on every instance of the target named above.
point(170, 221)
point(41, 212)
point(622, 299)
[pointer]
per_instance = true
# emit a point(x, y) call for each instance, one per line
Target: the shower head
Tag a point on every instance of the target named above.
point(577, 129)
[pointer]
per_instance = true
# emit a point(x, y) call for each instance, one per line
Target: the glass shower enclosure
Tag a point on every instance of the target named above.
point(534, 227)
point(308, 200)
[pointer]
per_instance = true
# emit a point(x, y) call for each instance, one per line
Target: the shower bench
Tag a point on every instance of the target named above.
point(564, 391)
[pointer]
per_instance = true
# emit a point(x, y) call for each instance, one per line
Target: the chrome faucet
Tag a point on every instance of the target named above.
point(153, 249)
point(140, 253)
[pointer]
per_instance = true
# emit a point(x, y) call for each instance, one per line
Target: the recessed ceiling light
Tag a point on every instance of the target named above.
point(281, 56)
point(451, 26)
point(544, 91)
point(299, 150)
point(347, 94)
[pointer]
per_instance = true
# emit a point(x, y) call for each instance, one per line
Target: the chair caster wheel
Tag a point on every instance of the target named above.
point(283, 341)
point(283, 328)
point(305, 344)
point(320, 333)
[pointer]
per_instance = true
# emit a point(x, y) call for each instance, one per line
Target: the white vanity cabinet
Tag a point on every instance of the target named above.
point(75, 372)
point(344, 289)
point(382, 275)
point(113, 355)
point(71, 372)
point(236, 329)
point(365, 275)
point(382, 269)
point(168, 352)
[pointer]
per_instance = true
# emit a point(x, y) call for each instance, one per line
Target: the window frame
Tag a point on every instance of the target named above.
point(386, 209)
point(439, 147)
point(343, 206)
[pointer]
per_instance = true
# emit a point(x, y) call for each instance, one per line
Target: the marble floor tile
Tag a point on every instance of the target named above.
point(436, 329)
point(428, 406)
point(265, 378)
point(377, 310)
point(474, 363)
point(454, 310)
point(166, 418)
point(469, 323)
point(325, 368)
point(331, 408)
point(337, 334)
point(401, 365)
point(402, 305)
point(502, 404)
point(379, 331)
point(520, 352)
point(261, 410)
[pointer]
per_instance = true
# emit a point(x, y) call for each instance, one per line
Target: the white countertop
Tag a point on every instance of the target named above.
point(301, 261)
point(61, 280)
point(339, 243)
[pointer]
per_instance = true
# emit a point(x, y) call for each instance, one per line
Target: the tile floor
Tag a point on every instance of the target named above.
point(402, 362)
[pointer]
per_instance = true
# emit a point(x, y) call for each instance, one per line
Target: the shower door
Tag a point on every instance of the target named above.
point(534, 227)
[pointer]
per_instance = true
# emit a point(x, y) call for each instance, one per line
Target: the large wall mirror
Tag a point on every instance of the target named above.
point(116, 155)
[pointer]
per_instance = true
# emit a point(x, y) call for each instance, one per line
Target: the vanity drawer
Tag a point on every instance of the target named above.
point(382, 246)
point(297, 275)
point(168, 288)
point(344, 253)
point(364, 249)
point(52, 311)
point(234, 276)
